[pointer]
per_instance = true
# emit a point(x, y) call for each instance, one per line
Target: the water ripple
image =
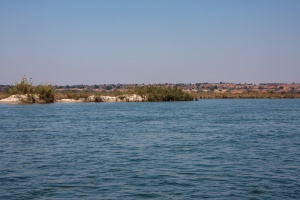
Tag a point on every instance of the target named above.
point(210, 149)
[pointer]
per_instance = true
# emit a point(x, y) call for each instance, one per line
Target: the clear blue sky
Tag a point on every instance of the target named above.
point(149, 41)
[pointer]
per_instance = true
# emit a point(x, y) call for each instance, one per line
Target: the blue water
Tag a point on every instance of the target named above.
point(215, 149)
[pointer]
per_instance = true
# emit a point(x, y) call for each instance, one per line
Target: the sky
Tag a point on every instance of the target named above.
point(149, 41)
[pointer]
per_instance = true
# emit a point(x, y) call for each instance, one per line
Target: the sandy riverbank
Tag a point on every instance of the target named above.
point(14, 99)
point(20, 99)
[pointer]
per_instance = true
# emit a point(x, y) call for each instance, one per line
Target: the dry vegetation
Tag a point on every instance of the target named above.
point(244, 95)
point(4, 95)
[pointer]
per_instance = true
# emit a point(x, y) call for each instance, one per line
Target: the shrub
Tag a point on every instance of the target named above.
point(159, 93)
point(46, 93)
point(41, 93)
point(24, 87)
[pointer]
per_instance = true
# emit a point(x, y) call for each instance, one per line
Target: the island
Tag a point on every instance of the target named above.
point(26, 92)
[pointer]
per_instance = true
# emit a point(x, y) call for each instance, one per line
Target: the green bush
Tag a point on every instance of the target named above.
point(24, 87)
point(159, 93)
point(46, 93)
point(41, 93)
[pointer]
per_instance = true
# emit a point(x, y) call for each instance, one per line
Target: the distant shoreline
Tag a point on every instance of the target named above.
point(19, 99)
point(26, 92)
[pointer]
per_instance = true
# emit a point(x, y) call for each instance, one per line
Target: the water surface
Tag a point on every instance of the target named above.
point(216, 149)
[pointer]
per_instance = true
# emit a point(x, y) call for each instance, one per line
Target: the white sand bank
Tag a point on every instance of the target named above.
point(13, 99)
point(19, 99)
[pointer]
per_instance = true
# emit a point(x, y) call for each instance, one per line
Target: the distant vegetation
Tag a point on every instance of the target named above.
point(47, 94)
point(244, 95)
point(148, 93)
point(41, 93)
point(160, 93)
